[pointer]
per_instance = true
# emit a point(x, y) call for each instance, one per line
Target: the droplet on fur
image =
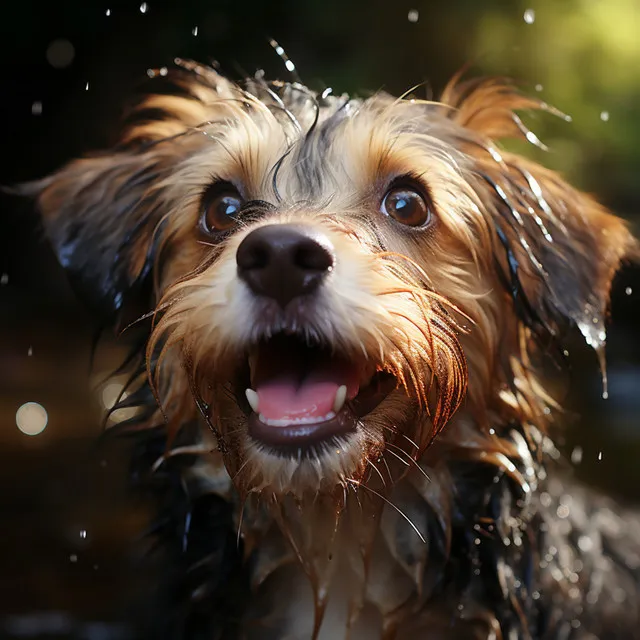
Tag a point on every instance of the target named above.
point(194, 31)
point(144, 7)
point(628, 291)
point(36, 108)
point(413, 16)
point(604, 116)
point(576, 455)
point(4, 279)
point(529, 16)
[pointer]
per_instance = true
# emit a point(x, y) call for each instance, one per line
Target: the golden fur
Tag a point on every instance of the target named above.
point(460, 313)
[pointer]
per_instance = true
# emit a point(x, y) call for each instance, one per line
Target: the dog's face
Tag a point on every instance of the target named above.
point(333, 278)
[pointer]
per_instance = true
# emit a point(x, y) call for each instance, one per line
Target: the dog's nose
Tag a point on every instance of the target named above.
point(284, 261)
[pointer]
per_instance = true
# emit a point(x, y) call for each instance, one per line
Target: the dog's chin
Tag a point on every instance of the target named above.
point(302, 417)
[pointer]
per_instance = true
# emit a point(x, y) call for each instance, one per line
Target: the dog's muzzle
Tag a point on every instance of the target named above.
point(299, 393)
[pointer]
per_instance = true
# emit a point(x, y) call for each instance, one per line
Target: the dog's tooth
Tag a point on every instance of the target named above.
point(341, 396)
point(252, 399)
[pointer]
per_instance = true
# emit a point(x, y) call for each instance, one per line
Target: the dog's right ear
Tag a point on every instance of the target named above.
point(101, 215)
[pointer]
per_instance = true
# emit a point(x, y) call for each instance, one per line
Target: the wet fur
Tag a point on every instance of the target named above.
point(448, 514)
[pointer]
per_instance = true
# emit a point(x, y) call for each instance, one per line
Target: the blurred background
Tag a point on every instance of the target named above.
point(67, 565)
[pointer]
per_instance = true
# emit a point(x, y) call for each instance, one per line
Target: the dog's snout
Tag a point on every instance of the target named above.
point(283, 261)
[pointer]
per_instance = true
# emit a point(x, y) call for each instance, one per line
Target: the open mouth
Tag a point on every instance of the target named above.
point(299, 395)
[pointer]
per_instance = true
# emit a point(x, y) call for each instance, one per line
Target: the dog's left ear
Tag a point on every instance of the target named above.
point(557, 249)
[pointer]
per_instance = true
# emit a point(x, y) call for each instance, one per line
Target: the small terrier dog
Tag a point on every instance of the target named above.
point(341, 393)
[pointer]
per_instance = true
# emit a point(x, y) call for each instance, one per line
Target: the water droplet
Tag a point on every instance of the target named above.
point(151, 73)
point(36, 108)
point(60, 53)
point(31, 418)
point(194, 31)
point(86, 87)
point(4, 279)
point(143, 7)
point(492, 432)
point(605, 395)
point(107, 12)
point(164, 71)
point(546, 411)
point(289, 65)
point(413, 16)
point(529, 16)
point(538, 87)
point(604, 116)
point(83, 534)
point(566, 353)
point(628, 291)
point(30, 351)
point(576, 455)
point(599, 456)
point(73, 557)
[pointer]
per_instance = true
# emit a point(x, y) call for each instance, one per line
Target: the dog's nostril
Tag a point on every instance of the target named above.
point(284, 261)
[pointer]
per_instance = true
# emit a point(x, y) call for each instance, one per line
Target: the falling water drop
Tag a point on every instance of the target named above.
point(599, 456)
point(36, 108)
point(30, 351)
point(413, 16)
point(86, 87)
point(108, 12)
point(538, 87)
point(194, 31)
point(602, 361)
point(576, 455)
point(628, 291)
point(83, 533)
point(4, 279)
point(604, 116)
point(73, 557)
point(143, 7)
point(529, 16)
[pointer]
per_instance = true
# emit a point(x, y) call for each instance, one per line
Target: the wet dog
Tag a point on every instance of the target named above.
point(343, 405)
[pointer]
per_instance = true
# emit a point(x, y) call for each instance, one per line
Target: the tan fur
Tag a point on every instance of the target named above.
point(427, 306)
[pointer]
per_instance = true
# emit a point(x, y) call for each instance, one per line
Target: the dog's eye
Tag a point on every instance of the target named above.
point(406, 205)
point(220, 206)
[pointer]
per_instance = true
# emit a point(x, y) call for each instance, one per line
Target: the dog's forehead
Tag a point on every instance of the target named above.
point(316, 147)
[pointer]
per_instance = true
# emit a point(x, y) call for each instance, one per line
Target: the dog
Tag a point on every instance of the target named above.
point(342, 411)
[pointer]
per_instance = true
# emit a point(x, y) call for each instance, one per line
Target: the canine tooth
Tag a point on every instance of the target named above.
point(341, 396)
point(252, 399)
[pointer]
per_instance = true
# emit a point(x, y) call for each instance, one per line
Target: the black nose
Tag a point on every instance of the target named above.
point(284, 261)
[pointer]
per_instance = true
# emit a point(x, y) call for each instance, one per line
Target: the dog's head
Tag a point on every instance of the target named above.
point(333, 278)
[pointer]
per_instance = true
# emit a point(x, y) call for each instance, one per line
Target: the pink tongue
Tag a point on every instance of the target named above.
point(292, 386)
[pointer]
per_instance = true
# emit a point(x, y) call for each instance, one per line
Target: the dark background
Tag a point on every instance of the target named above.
point(582, 56)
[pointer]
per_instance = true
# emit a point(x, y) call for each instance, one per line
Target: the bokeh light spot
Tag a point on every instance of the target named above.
point(31, 418)
point(60, 53)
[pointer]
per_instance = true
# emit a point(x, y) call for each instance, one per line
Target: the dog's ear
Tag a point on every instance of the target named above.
point(103, 213)
point(100, 214)
point(557, 249)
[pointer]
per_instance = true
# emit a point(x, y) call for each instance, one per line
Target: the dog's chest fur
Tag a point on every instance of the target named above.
point(518, 551)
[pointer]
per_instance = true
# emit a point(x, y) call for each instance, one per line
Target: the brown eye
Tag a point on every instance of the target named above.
point(220, 207)
point(406, 205)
